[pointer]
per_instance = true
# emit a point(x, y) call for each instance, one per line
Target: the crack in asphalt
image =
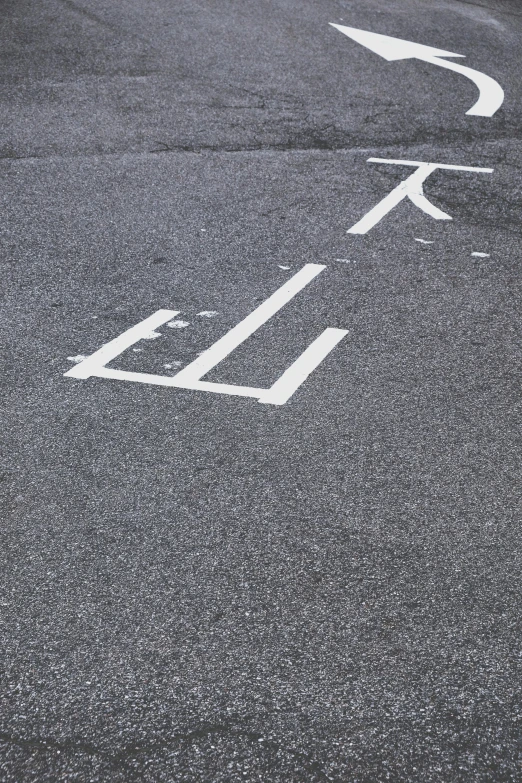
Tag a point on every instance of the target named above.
point(87, 14)
point(488, 8)
point(119, 758)
point(196, 149)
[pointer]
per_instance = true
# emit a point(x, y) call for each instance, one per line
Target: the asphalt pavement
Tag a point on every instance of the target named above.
point(195, 585)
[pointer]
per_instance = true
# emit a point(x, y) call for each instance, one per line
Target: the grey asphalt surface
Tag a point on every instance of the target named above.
point(195, 587)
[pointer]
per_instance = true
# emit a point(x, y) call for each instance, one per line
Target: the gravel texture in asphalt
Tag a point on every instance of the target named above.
point(197, 587)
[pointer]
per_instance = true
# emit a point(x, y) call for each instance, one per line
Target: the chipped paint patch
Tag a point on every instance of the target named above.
point(178, 324)
point(76, 359)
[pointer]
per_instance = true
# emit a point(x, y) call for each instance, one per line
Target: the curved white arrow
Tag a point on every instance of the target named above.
point(491, 93)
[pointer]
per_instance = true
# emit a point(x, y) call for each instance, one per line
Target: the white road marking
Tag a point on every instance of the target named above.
point(208, 313)
point(190, 377)
point(424, 241)
point(238, 334)
point(410, 188)
point(305, 364)
point(95, 364)
point(481, 255)
point(491, 94)
point(283, 267)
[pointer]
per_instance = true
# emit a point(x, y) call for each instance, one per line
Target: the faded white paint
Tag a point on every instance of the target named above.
point(76, 359)
point(178, 324)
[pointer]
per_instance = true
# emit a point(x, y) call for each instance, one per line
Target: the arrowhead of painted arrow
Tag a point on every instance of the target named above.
point(392, 48)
